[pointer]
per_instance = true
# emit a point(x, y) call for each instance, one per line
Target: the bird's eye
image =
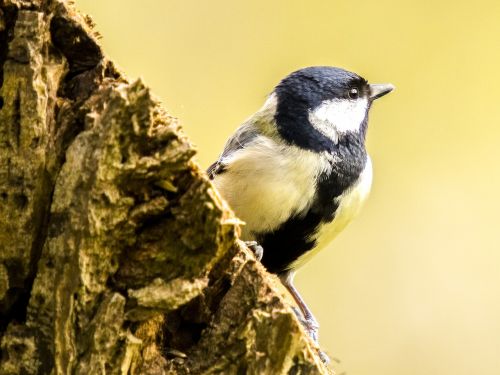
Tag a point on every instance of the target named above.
point(353, 93)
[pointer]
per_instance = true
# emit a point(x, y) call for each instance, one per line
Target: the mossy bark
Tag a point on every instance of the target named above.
point(117, 256)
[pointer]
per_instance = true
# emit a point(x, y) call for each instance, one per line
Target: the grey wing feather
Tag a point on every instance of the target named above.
point(244, 135)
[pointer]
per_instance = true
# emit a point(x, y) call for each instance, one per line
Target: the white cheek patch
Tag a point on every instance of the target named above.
point(338, 116)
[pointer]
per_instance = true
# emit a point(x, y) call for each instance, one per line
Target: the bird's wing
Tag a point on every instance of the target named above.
point(244, 135)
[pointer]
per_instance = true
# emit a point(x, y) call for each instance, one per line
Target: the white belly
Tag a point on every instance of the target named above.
point(350, 203)
point(266, 183)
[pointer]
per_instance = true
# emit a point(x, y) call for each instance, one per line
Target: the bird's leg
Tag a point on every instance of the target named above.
point(307, 318)
point(256, 249)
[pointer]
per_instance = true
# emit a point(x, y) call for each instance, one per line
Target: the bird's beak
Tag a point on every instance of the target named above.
point(378, 90)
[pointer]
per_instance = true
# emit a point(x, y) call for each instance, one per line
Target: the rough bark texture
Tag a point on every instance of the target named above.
point(117, 255)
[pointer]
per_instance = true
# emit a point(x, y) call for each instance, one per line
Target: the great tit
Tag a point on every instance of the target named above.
point(297, 171)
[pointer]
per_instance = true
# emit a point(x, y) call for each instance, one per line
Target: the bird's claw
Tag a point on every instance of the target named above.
point(312, 328)
point(309, 323)
point(324, 357)
point(256, 249)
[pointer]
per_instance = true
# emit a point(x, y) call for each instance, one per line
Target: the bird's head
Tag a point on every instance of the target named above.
point(316, 106)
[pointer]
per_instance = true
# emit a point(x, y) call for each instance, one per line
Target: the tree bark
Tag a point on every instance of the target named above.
point(117, 255)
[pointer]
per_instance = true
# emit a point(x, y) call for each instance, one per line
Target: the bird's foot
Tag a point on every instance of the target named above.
point(312, 328)
point(256, 249)
point(324, 357)
point(309, 323)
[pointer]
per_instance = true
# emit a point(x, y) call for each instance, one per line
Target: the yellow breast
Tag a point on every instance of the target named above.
point(349, 205)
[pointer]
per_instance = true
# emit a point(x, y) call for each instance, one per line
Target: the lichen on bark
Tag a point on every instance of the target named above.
point(117, 255)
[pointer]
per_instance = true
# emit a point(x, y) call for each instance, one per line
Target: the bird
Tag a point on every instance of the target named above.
point(297, 171)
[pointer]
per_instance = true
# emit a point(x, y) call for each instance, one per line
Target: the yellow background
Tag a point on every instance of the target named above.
point(413, 285)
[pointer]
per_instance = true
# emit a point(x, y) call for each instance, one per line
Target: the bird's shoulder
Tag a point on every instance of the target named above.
point(244, 136)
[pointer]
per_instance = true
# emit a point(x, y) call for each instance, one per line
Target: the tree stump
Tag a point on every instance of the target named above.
point(117, 255)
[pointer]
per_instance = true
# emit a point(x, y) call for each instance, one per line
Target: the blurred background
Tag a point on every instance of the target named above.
point(413, 285)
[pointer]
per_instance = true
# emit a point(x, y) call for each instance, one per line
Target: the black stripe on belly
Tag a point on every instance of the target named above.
point(294, 237)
